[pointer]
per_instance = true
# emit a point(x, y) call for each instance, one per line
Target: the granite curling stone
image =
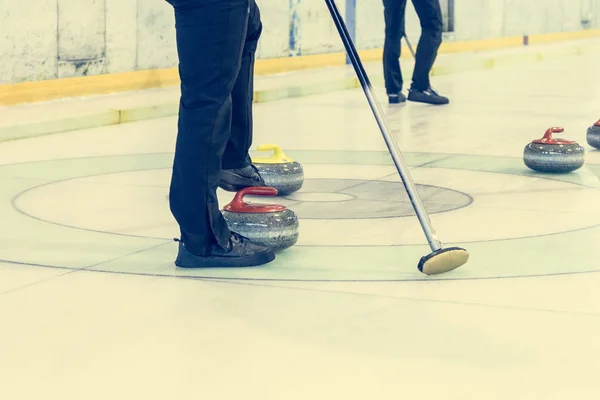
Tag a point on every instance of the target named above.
point(279, 171)
point(554, 155)
point(593, 135)
point(271, 225)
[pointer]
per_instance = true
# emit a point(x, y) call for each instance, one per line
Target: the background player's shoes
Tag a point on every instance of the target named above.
point(396, 98)
point(428, 96)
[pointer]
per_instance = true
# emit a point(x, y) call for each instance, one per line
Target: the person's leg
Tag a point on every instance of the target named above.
point(237, 170)
point(430, 17)
point(394, 14)
point(210, 38)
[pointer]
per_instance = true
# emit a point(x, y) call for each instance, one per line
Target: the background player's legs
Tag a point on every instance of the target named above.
point(394, 14)
point(430, 17)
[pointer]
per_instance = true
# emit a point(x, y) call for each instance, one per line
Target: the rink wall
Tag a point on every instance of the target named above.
point(57, 48)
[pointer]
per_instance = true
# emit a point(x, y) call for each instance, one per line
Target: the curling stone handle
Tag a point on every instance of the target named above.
point(278, 154)
point(548, 139)
point(238, 200)
point(597, 123)
point(549, 132)
point(255, 191)
point(238, 204)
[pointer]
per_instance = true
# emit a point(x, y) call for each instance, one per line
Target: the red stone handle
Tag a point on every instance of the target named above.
point(549, 132)
point(238, 204)
point(597, 123)
point(548, 139)
point(255, 191)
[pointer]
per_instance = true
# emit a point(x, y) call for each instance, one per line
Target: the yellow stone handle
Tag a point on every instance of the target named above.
point(278, 154)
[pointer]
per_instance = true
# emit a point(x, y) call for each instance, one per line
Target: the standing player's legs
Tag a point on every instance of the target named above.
point(210, 40)
point(394, 12)
point(238, 171)
point(430, 16)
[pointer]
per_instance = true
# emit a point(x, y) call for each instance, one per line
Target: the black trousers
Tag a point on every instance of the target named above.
point(430, 16)
point(216, 44)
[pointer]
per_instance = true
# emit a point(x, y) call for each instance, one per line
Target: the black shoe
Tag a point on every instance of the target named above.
point(234, 180)
point(241, 253)
point(396, 98)
point(428, 96)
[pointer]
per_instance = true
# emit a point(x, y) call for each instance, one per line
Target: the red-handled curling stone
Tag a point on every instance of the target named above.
point(593, 135)
point(272, 225)
point(554, 155)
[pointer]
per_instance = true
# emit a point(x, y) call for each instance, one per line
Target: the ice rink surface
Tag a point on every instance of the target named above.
point(92, 306)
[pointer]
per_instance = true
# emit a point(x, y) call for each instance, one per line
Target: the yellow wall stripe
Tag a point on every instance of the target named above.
point(11, 94)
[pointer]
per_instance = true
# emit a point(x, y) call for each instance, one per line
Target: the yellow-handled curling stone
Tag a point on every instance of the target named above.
point(441, 259)
point(279, 171)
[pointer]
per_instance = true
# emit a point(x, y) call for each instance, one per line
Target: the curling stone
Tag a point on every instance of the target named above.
point(554, 155)
point(271, 225)
point(279, 171)
point(593, 135)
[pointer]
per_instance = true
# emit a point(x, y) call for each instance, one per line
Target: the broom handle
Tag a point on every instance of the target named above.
point(401, 166)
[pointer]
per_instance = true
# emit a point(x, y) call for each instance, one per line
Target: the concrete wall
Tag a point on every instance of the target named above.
point(47, 39)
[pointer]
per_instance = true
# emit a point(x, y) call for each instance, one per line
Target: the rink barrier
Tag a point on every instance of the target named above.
point(105, 117)
point(36, 91)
